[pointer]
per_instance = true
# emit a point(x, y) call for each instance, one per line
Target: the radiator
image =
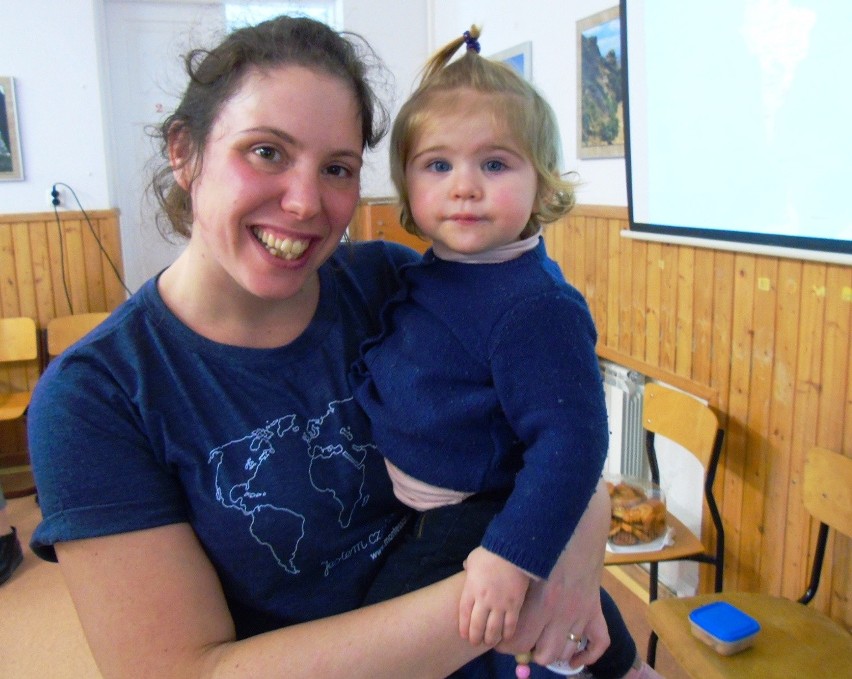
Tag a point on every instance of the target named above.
point(624, 389)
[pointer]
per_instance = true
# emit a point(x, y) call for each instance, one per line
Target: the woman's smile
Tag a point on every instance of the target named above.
point(283, 248)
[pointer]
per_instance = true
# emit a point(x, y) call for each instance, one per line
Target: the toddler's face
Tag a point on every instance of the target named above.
point(471, 187)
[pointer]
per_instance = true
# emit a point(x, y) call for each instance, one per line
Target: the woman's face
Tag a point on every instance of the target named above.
point(278, 182)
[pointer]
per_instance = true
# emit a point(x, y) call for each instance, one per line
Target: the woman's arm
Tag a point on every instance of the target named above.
point(569, 600)
point(151, 606)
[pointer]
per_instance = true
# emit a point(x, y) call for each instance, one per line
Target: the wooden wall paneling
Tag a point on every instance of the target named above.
point(561, 238)
point(18, 297)
point(588, 252)
point(613, 290)
point(808, 376)
point(723, 311)
point(14, 297)
point(112, 264)
point(623, 339)
point(637, 328)
point(836, 351)
point(23, 268)
point(95, 274)
point(8, 295)
point(779, 428)
point(588, 247)
point(702, 366)
point(702, 306)
point(574, 250)
point(566, 245)
point(601, 281)
point(684, 311)
point(32, 259)
point(668, 306)
point(56, 252)
point(41, 270)
point(653, 297)
point(9, 288)
point(104, 269)
point(75, 265)
point(842, 591)
point(742, 330)
point(759, 455)
point(695, 311)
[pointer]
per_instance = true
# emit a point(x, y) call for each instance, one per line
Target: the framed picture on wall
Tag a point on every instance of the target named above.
point(518, 57)
point(10, 143)
point(600, 105)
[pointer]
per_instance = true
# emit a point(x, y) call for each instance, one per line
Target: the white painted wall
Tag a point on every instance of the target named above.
point(551, 25)
point(51, 49)
point(397, 31)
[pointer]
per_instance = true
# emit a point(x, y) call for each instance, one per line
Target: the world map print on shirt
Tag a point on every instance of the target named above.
point(335, 466)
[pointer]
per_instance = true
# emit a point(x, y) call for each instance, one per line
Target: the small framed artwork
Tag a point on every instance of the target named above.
point(600, 98)
point(518, 57)
point(10, 143)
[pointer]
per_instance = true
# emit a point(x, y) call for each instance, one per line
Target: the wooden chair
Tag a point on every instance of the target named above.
point(688, 422)
point(63, 331)
point(18, 345)
point(795, 640)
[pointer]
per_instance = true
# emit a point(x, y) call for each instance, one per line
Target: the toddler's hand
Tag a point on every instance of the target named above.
point(491, 601)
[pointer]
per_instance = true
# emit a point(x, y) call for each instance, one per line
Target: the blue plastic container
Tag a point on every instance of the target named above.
point(724, 627)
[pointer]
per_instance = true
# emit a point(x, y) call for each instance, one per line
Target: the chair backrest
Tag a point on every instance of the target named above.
point(692, 424)
point(63, 331)
point(18, 339)
point(827, 495)
point(681, 418)
point(827, 488)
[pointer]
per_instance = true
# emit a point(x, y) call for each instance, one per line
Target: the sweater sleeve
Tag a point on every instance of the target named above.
point(547, 376)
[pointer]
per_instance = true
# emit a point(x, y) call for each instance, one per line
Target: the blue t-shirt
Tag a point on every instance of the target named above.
point(263, 452)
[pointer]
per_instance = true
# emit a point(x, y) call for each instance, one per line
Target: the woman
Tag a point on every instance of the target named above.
point(208, 487)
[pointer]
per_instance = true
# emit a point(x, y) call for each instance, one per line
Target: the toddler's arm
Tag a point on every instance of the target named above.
point(492, 597)
point(569, 600)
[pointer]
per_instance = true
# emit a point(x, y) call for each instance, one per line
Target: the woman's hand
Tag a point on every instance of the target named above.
point(567, 604)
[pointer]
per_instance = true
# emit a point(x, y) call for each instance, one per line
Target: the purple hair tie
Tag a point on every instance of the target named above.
point(471, 42)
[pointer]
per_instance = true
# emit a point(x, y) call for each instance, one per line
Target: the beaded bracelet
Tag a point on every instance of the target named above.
point(523, 671)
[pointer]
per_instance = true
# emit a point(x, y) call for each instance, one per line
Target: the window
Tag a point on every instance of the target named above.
point(249, 13)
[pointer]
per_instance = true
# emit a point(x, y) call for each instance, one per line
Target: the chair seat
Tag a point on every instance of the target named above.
point(795, 640)
point(13, 405)
point(686, 544)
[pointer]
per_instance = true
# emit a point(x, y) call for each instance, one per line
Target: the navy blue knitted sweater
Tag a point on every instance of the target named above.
point(485, 378)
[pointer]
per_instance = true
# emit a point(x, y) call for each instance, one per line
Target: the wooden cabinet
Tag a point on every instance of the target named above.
point(379, 220)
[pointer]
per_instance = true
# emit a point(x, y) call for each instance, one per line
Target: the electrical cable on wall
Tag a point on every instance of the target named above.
point(55, 193)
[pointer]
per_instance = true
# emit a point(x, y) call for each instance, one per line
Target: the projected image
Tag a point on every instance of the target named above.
point(746, 143)
point(600, 116)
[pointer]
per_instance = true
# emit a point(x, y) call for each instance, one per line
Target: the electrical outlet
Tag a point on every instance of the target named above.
point(55, 197)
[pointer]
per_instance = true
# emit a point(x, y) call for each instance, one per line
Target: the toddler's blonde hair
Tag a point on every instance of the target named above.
point(516, 104)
